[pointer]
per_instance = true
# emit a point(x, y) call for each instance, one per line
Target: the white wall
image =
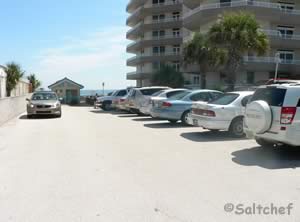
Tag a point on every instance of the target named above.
point(11, 107)
point(2, 83)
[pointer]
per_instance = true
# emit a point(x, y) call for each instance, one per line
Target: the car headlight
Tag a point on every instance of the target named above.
point(31, 105)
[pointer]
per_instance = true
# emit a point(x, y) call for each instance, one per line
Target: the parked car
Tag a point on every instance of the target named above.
point(273, 115)
point(139, 97)
point(225, 113)
point(179, 106)
point(44, 103)
point(159, 97)
point(109, 102)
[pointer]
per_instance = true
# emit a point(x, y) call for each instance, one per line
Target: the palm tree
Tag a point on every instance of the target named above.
point(200, 51)
point(14, 74)
point(35, 83)
point(168, 76)
point(238, 34)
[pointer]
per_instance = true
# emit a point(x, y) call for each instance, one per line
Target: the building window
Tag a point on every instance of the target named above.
point(285, 31)
point(176, 49)
point(154, 2)
point(176, 65)
point(286, 6)
point(157, 34)
point(225, 3)
point(158, 50)
point(196, 80)
point(176, 32)
point(176, 15)
point(286, 56)
point(158, 18)
point(250, 77)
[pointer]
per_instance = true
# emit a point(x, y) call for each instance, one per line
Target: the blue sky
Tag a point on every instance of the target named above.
point(83, 40)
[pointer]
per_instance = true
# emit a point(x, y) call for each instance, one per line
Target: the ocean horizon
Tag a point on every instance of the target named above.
point(93, 92)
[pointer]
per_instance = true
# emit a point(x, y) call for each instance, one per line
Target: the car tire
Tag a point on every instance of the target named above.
point(264, 143)
point(237, 128)
point(184, 117)
point(106, 106)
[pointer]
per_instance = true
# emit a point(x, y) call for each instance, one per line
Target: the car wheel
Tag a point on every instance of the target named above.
point(173, 121)
point(184, 118)
point(106, 106)
point(264, 143)
point(237, 128)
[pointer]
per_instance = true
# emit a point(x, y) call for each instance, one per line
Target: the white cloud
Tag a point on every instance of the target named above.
point(89, 59)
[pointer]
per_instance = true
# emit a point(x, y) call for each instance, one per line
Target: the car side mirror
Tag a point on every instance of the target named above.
point(27, 99)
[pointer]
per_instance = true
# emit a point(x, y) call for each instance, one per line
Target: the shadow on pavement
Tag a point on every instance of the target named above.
point(165, 125)
point(145, 119)
point(25, 117)
point(209, 136)
point(268, 158)
point(99, 111)
point(128, 115)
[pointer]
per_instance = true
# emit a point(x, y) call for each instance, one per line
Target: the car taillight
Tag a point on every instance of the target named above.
point(287, 115)
point(204, 112)
point(166, 104)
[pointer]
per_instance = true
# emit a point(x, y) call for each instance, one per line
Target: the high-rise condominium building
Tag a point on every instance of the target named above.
point(156, 34)
point(279, 19)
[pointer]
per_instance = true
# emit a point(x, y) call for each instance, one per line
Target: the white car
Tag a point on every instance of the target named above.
point(273, 115)
point(109, 102)
point(160, 96)
point(225, 113)
point(139, 97)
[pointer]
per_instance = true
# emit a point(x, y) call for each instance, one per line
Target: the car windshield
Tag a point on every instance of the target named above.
point(44, 96)
point(226, 99)
point(180, 96)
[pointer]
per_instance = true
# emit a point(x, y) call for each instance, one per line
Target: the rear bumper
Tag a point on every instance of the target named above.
point(208, 123)
point(289, 136)
point(167, 114)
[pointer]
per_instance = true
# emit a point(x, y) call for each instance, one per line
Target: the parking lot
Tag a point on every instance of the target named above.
point(93, 165)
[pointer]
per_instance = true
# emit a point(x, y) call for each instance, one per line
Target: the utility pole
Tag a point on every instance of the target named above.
point(277, 60)
point(103, 84)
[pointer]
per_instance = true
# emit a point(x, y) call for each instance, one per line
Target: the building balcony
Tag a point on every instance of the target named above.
point(153, 57)
point(154, 41)
point(138, 75)
point(272, 12)
point(268, 64)
point(283, 40)
point(145, 10)
point(141, 27)
point(134, 4)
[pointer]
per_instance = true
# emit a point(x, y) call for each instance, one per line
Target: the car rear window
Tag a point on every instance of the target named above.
point(173, 93)
point(149, 92)
point(226, 99)
point(273, 96)
point(180, 96)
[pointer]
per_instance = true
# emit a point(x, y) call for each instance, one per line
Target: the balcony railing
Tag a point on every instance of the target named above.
point(256, 59)
point(149, 38)
point(154, 54)
point(250, 3)
point(169, 2)
point(278, 34)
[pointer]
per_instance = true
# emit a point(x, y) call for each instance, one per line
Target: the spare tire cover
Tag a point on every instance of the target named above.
point(258, 116)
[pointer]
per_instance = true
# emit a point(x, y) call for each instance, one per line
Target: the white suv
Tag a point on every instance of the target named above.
point(273, 115)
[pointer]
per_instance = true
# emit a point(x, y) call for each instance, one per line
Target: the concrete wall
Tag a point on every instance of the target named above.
point(11, 107)
point(2, 83)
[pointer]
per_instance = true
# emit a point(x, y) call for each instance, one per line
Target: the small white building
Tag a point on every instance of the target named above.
point(2, 82)
point(68, 90)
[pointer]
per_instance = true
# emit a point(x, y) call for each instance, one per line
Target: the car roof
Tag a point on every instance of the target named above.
point(282, 86)
point(44, 92)
point(205, 90)
point(154, 87)
point(243, 92)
